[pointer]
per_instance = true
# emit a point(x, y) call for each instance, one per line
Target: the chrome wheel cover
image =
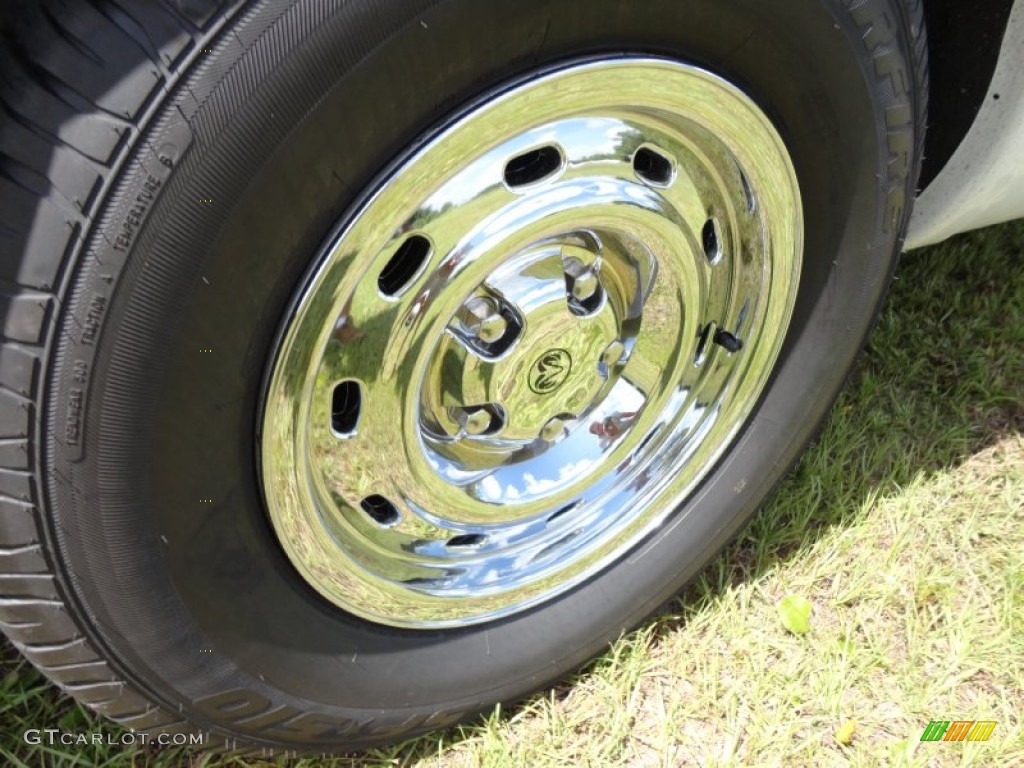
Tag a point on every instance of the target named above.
point(530, 342)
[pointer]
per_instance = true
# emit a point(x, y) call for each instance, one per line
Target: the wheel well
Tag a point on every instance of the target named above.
point(964, 41)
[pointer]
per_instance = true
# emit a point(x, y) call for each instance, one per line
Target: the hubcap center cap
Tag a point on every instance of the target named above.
point(552, 362)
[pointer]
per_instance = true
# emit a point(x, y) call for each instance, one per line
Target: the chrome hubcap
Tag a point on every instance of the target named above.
point(531, 342)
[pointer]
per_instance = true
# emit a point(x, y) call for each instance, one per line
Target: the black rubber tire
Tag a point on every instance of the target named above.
point(165, 178)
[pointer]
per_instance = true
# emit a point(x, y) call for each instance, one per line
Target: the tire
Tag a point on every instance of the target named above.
point(172, 180)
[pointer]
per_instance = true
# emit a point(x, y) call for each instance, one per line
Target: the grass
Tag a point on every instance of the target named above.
point(903, 527)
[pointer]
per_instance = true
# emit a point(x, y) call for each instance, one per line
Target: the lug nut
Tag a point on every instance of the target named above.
point(553, 429)
point(492, 328)
point(584, 285)
point(584, 256)
point(582, 276)
point(481, 319)
point(613, 354)
point(478, 422)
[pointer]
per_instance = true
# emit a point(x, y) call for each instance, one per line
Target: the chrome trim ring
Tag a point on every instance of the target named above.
point(531, 342)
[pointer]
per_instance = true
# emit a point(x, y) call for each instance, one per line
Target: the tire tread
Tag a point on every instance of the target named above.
point(69, 119)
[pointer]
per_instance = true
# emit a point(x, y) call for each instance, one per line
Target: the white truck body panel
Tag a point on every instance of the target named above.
point(983, 182)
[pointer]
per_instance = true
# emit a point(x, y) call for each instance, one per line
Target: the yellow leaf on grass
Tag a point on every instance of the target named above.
point(845, 734)
point(795, 613)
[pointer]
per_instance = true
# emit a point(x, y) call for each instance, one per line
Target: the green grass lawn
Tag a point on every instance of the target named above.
point(904, 529)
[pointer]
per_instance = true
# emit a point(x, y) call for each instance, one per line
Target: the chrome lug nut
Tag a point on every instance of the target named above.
point(584, 285)
point(481, 318)
point(492, 328)
point(582, 256)
point(478, 422)
point(582, 276)
point(613, 354)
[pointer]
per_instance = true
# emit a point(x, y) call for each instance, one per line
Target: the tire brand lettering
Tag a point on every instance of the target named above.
point(73, 420)
point(133, 219)
point(80, 372)
point(152, 170)
point(238, 704)
point(274, 719)
point(250, 712)
point(91, 326)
